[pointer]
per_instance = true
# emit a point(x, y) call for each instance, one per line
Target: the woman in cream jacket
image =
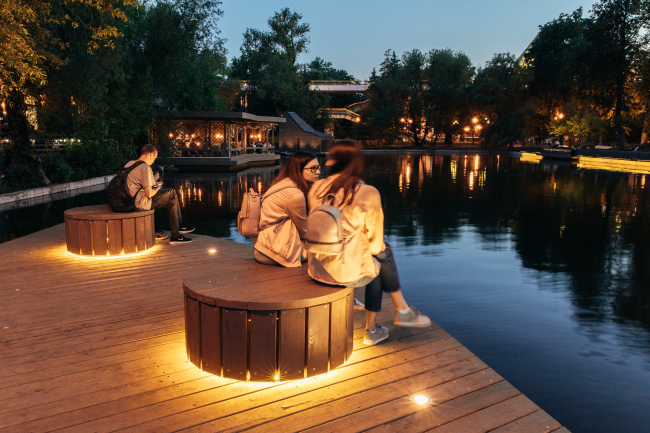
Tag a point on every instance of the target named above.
point(283, 218)
point(366, 260)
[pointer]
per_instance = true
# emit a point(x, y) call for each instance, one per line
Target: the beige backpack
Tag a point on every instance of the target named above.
point(324, 230)
point(248, 219)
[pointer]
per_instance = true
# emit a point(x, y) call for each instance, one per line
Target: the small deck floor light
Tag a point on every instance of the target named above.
point(212, 250)
point(421, 399)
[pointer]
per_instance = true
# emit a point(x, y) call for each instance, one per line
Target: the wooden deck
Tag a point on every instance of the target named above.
point(97, 345)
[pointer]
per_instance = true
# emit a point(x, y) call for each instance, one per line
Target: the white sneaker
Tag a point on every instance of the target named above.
point(411, 318)
point(358, 305)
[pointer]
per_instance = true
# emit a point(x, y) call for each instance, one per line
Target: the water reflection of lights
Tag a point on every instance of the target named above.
point(482, 175)
point(471, 181)
point(454, 169)
point(220, 198)
point(408, 176)
point(476, 162)
point(643, 181)
point(427, 164)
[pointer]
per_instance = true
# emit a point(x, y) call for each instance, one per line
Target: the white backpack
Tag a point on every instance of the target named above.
point(324, 230)
point(248, 219)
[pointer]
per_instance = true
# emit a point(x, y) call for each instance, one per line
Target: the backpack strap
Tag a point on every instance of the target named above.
point(128, 171)
point(262, 202)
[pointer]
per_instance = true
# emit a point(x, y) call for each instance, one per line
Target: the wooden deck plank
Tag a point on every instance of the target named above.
point(491, 417)
point(213, 405)
point(313, 408)
point(105, 350)
point(536, 422)
point(395, 407)
point(385, 403)
point(107, 400)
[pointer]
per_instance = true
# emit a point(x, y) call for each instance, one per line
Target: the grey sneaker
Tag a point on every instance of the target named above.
point(412, 318)
point(372, 338)
point(358, 305)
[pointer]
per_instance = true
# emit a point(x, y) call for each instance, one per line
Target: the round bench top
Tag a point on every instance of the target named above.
point(253, 286)
point(102, 212)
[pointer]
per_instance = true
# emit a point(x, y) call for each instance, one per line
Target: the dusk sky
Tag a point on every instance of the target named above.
point(354, 34)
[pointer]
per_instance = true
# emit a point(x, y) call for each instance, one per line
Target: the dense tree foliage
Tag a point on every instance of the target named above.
point(419, 95)
point(588, 67)
point(500, 94)
point(104, 73)
point(268, 63)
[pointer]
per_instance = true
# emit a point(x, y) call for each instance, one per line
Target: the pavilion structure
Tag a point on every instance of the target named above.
point(220, 141)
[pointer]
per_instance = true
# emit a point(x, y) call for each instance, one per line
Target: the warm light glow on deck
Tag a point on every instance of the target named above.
point(108, 256)
point(421, 399)
point(212, 250)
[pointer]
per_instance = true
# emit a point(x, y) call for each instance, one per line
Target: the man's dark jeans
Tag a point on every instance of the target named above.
point(166, 198)
point(387, 280)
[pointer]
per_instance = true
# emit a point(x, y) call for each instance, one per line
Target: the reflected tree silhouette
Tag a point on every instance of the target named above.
point(588, 225)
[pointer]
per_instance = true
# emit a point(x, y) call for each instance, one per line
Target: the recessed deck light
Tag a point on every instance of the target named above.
point(421, 399)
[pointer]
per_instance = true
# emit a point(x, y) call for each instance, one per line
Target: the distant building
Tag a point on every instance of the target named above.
point(296, 134)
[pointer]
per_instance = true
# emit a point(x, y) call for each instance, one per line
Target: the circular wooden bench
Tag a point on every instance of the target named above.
point(266, 323)
point(98, 231)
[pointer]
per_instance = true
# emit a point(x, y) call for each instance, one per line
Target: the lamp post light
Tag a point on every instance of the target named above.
point(477, 130)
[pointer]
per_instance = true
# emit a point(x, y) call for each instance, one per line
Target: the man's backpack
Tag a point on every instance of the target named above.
point(248, 219)
point(119, 198)
point(324, 229)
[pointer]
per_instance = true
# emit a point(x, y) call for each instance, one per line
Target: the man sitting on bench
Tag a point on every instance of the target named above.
point(149, 195)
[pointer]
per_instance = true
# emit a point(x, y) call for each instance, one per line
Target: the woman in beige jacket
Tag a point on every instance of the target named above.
point(283, 217)
point(366, 260)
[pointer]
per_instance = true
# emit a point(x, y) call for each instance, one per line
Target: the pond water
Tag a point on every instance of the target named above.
point(542, 270)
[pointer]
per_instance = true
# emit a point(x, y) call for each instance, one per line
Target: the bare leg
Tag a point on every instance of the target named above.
point(371, 320)
point(398, 300)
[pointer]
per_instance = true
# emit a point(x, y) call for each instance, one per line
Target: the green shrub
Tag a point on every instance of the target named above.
point(94, 158)
point(56, 168)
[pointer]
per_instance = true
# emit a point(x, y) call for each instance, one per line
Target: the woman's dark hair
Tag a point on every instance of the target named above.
point(349, 165)
point(293, 170)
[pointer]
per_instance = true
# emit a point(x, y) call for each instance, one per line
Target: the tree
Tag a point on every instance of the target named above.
point(32, 44)
point(398, 105)
point(387, 101)
point(500, 92)
point(179, 43)
point(618, 29)
point(449, 77)
point(583, 126)
point(558, 60)
point(29, 43)
point(419, 93)
point(593, 65)
point(268, 62)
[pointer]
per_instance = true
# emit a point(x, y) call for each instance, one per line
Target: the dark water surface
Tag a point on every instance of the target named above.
point(542, 270)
